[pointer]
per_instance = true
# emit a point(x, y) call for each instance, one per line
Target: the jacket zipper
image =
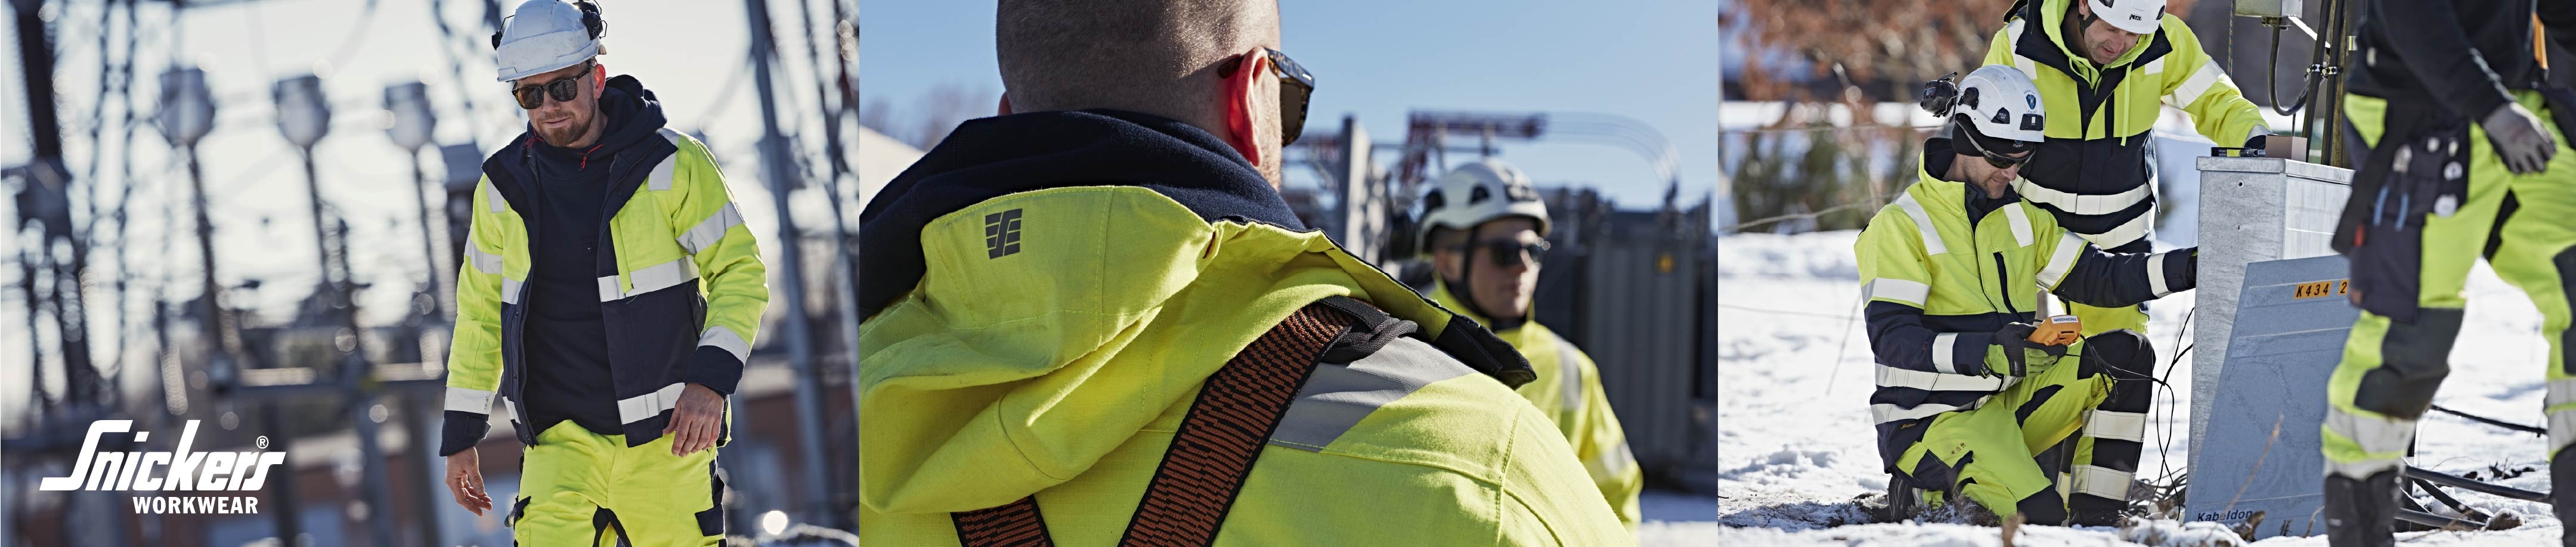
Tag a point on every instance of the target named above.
point(2003, 285)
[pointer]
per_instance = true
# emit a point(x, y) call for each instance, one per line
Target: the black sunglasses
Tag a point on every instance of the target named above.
point(564, 89)
point(2000, 161)
point(1295, 86)
point(1506, 252)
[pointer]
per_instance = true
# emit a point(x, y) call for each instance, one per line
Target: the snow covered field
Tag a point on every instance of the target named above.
point(1795, 443)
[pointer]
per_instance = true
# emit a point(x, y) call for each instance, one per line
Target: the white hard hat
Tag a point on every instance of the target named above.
point(545, 35)
point(1474, 194)
point(2135, 16)
point(1999, 101)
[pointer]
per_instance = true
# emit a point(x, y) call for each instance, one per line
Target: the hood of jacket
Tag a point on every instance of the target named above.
point(1045, 287)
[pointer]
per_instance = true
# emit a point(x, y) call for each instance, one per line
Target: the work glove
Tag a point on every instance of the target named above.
point(2258, 141)
point(2519, 138)
point(2012, 346)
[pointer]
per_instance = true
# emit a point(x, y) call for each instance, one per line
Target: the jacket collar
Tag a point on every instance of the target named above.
point(992, 157)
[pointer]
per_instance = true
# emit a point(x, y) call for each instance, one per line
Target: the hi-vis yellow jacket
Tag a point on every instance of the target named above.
point(1057, 337)
point(1944, 267)
point(683, 308)
point(2092, 172)
point(1568, 389)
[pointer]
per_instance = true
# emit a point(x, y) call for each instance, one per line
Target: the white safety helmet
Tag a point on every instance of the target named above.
point(1999, 102)
point(1474, 194)
point(545, 35)
point(2135, 16)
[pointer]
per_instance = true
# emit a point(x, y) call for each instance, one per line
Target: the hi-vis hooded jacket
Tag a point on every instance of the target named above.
point(1568, 389)
point(681, 307)
point(1944, 267)
point(2093, 169)
point(1048, 293)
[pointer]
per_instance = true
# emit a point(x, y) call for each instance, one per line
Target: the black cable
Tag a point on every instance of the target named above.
point(2492, 421)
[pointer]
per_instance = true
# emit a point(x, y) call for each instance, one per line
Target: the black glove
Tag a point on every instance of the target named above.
point(2519, 138)
point(2013, 347)
point(2256, 142)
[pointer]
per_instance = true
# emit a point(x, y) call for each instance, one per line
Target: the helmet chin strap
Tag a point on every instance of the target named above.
point(1467, 297)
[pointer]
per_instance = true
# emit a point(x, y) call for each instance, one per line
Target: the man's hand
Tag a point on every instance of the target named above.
point(2519, 139)
point(465, 482)
point(2012, 343)
point(696, 420)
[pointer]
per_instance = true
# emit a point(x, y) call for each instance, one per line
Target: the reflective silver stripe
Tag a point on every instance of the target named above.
point(2081, 204)
point(2058, 262)
point(2133, 230)
point(637, 408)
point(1884, 412)
point(2199, 83)
point(509, 408)
point(1571, 396)
point(2101, 481)
point(661, 177)
point(1933, 381)
point(708, 231)
point(2012, 38)
point(483, 262)
point(2154, 67)
point(2156, 274)
point(724, 338)
point(1613, 462)
point(492, 197)
point(1944, 354)
point(2126, 426)
point(1923, 223)
point(2562, 423)
point(2562, 428)
point(2374, 435)
point(650, 278)
point(478, 401)
point(1900, 290)
point(1336, 397)
point(2020, 224)
point(509, 290)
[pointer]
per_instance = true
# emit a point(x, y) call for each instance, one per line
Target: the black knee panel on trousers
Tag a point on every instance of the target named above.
point(2562, 491)
point(2043, 508)
point(2413, 360)
point(2124, 354)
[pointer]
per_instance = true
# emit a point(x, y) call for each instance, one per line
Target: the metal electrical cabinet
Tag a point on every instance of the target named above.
point(1635, 290)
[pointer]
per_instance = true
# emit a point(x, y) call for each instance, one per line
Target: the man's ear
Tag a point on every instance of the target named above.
point(599, 78)
point(1238, 93)
point(1003, 109)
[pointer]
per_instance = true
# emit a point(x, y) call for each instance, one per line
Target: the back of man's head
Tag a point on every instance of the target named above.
point(1150, 56)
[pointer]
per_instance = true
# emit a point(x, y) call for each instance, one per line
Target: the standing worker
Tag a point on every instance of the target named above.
point(1487, 233)
point(610, 298)
point(1092, 317)
point(2107, 67)
point(1974, 401)
point(2468, 157)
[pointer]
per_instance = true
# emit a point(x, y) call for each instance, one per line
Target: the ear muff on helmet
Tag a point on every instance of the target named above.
point(590, 20)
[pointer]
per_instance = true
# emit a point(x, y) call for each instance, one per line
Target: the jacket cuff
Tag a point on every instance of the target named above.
point(463, 430)
point(1968, 352)
point(715, 368)
point(2478, 104)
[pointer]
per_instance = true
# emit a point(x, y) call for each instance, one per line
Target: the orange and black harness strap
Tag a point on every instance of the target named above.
point(1227, 426)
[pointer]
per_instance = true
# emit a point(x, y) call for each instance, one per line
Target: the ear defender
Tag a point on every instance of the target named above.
point(1939, 95)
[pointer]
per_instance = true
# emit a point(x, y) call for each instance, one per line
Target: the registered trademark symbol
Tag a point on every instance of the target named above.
point(261, 442)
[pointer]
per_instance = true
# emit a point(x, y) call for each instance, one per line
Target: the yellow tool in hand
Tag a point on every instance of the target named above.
point(2058, 331)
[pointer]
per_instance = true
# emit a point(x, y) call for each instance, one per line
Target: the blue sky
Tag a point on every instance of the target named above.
point(1650, 60)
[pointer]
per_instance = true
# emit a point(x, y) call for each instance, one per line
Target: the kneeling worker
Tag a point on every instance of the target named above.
point(1975, 394)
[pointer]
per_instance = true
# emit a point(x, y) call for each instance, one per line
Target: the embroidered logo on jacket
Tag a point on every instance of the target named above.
point(1002, 233)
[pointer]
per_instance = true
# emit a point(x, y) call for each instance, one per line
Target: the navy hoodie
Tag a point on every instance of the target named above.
point(567, 344)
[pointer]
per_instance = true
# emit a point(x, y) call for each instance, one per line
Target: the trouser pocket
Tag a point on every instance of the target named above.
point(2425, 175)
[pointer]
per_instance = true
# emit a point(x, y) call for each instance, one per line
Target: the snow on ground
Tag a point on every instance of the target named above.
point(1795, 444)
